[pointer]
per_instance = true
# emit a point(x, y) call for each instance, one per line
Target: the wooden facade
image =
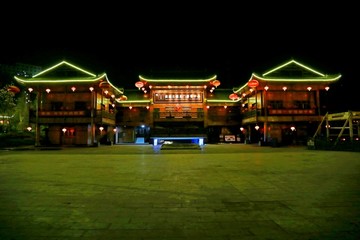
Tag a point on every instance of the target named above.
point(283, 105)
point(72, 106)
point(173, 107)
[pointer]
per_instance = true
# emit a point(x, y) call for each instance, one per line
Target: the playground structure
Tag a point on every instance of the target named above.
point(337, 131)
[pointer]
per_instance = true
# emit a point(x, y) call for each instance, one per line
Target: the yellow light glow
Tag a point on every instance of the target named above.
point(325, 79)
point(322, 77)
point(297, 63)
point(222, 101)
point(178, 80)
point(92, 78)
point(64, 63)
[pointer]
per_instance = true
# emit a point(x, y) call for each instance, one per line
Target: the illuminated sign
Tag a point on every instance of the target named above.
point(178, 96)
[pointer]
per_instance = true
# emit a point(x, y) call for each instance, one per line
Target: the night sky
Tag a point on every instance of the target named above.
point(229, 41)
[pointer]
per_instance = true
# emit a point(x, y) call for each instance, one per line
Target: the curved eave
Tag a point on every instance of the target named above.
point(223, 101)
point(236, 90)
point(134, 101)
point(120, 90)
point(33, 80)
point(177, 80)
point(57, 80)
point(325, 79)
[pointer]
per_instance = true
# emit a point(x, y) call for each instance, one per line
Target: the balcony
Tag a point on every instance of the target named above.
point(74, 113)
point(178, 116)
point(71, 116)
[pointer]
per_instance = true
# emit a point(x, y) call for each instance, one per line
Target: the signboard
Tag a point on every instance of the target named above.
point(230, 138)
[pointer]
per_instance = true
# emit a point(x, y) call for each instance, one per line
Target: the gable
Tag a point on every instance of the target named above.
point(64, 70)
point(292, 69)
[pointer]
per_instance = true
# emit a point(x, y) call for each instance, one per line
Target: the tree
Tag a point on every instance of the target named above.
point(7, 108)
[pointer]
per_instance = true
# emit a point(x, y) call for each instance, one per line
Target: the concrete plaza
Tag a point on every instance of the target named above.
point(225, 191)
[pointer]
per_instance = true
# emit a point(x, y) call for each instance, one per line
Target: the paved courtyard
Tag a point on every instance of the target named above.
point(229, 191)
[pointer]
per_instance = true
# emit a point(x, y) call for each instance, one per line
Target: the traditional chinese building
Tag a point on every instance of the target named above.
point(71, 106)
point(76, 107)
point(283, 105)
point(178, 109)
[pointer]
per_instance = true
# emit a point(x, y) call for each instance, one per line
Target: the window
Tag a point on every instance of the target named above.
point(80, 105)
point(56, 106)
point(275, 104)
point(302, 104)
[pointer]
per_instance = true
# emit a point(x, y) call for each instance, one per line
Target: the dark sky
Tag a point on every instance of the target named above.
point(229, 41)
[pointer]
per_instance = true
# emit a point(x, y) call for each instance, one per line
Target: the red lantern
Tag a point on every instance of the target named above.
point(253, 83)
point(104, 85)
point(123, 98)
point(139, 84)
point(13, 89)
point(234, 96)
point(216, 83)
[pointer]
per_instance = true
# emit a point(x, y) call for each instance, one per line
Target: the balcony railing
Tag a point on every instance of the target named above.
point(279, 112)
point(168, 116)
point(74, 113)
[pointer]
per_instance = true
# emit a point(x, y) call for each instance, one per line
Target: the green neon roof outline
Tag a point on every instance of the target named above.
point(224, 101)
point(134, 101)
point(177, 80)
point(327, 79)
point(92, 77)
point(297, 63)
point(64, 63)
point(54, 80)
point(322, 77)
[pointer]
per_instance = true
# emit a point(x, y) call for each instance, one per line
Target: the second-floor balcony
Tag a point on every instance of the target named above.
point(49, 116)
point(279, 112)
point(80, 113)
point(178, 116)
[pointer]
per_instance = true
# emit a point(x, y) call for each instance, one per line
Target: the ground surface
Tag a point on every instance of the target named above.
point(233, 191)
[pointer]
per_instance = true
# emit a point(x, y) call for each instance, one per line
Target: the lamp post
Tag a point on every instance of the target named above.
point(37, 127)
point(92, 106)
point(252, 84)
